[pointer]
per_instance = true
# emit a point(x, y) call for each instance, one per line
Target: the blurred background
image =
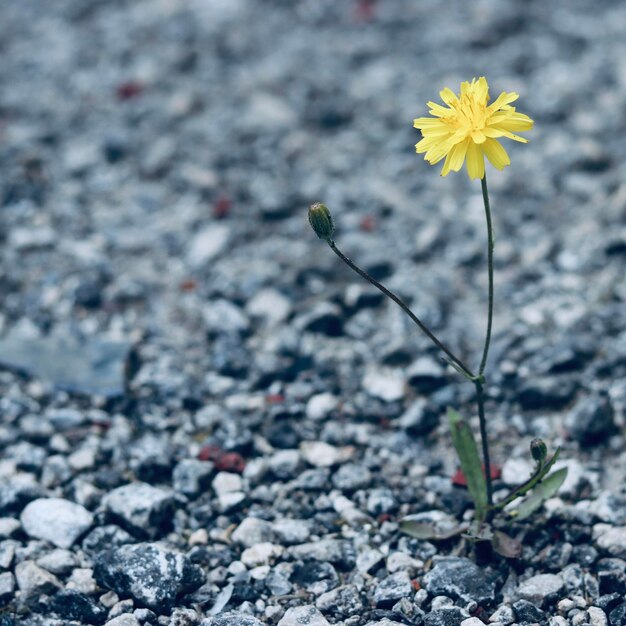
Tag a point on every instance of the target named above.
point(157, 161)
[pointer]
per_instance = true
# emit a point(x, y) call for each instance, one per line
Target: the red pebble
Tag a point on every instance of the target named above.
point(274, 398)
point(365, 10)
point(368, 223)
point(222, 207)
point(230, 462)
point(188, 284)
point(460, 481)
point(223, 461)
point(128, 90)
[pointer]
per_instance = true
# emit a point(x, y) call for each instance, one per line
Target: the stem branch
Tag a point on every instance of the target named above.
point(463, 369)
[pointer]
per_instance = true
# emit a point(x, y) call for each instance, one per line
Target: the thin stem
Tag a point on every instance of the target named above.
point(455, 360)
point(483, 439)
point(483, 361)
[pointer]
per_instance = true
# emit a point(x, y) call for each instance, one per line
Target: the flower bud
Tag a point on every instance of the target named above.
point(538, 450)
point(321, 221)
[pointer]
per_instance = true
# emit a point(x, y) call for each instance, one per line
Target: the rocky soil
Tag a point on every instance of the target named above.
point(205, 418)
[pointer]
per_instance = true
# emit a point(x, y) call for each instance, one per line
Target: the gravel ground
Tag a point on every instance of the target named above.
point(205, 418)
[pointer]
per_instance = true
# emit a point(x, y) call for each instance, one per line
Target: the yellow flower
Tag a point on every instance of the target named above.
point(469, 127)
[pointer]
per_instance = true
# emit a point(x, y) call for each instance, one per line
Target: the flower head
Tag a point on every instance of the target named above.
point(469, 128)
point(321, 221)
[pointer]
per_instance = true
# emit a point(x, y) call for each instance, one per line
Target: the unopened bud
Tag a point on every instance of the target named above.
point(538, 450)
point(321, 221)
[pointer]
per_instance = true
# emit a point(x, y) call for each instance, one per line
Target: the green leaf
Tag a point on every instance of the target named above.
point(542, 492)
point(524, 488)
point(467, 451)
point(429, 532)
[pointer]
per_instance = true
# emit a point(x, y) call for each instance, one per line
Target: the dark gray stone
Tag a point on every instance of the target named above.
point(592, 420)
point(446, 616)
point(143, 510)
point(391, 589)
point(344, 601)
point(460, 578)
point(74, 605)
point(527, 612)
point(150, 574)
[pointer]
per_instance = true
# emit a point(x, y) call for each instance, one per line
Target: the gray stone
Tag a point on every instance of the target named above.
point(343, 601)
point(33, 581)
point(127, 619)
point(58, 562)
point(231, 619)
point(385, 384)
point(592, 420)
point(7, 588)
point(292, 531)
point(192, 477)
point(94, 366)
point(381, 500)
point(540, 587)
point(611, 539)
point(392, 588)
point(322, 454)
point(17, 491)
point(336, 551)
point(306, 615)
point(350, 477)
point(503, 615)
point(445, 616)
point(58, 521)
point(252, 531)
point(154, 576)
point(207, 244)
point(143, 510)
point(419, 418)
point(460, 578)
point(8, 527)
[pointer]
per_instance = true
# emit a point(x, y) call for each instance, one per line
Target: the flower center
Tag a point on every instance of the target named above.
point(470, 114)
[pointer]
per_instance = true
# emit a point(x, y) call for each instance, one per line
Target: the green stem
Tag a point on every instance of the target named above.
point(479, 382)
point(459, 365)
point(480, 399)
point(490, 244)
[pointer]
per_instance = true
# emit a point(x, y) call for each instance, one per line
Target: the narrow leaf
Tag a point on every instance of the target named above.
point(543, 491)
point(524, 488)
point(465, 446)
point(429, 532)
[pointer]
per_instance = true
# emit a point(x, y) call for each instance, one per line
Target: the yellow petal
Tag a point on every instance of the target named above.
point(503, 99)
point(437, 153)
point(457, 155)
point(455, 158)
point(427, 143)
point(478, 136)
point(509, 135)
point(448, 96)
point(475, 161)
point(517, 122)
point(424, 122)
point(481, 89)
point(496, 154)
point(437, 109)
